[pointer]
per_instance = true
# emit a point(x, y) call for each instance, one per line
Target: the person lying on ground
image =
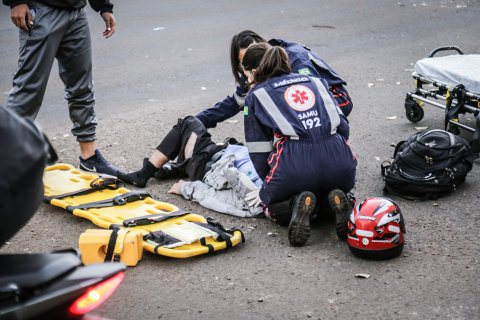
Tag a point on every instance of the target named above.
point(221, 175)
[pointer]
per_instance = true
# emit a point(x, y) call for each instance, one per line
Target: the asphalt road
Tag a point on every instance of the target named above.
point(146, 78)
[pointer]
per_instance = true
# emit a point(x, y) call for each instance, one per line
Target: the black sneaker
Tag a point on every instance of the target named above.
point(299, 229)
point(98, 164)
point(341, 206)
point(169, 170)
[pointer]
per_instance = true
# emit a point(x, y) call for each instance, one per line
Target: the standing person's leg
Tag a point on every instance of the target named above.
point(75, 67)
point(36, 54)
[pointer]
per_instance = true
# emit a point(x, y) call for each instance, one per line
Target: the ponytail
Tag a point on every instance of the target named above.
point(268, 61)
point(274, 63)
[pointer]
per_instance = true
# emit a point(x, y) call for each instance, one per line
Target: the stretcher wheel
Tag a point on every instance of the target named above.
point(413, 110)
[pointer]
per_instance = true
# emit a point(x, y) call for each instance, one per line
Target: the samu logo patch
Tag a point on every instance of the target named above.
point(300, 97)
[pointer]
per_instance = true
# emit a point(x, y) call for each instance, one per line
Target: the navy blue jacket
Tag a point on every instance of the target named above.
point(290, 107)
point(302, 61)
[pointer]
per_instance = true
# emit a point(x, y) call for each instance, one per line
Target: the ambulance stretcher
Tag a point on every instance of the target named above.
point(451, 83)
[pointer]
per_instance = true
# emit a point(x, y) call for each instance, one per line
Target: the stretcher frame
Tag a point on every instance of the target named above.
point(442, 96)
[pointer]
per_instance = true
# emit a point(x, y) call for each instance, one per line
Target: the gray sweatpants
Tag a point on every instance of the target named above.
point(62, 34)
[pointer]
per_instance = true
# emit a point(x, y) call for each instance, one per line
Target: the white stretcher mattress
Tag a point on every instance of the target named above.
point(452, 70)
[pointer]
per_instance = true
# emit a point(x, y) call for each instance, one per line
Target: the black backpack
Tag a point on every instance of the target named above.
point(428, 165)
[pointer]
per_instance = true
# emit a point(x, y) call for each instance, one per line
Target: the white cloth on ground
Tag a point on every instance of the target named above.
point(243, 162)
point(223, 189)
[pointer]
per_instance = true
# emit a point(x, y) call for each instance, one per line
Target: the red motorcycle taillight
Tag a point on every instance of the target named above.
point(95, 295)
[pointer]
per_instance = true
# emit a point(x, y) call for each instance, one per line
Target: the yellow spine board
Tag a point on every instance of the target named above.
point(93, 245)
point(64, 178)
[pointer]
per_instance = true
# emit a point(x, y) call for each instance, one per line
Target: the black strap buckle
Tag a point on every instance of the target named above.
point(117, 201)
point(130, 197)
point(106, 183)
point(154, 218)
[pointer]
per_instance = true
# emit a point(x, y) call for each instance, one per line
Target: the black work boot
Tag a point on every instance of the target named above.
point(303, 206)
point(341, 205)
point(169, 170)
point(139, 178)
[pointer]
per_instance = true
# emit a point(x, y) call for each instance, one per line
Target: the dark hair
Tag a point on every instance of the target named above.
point(269, 61)
point(241, 41)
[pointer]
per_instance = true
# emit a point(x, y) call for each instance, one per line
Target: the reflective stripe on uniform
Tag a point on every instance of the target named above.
point(283, 124)
point(329, 105)
point(260, 146)
point(321, 64)
point(240, 99)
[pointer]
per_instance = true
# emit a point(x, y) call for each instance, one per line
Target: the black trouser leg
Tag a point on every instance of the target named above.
point(280, 212)
point(191, 145)
point(171, 144)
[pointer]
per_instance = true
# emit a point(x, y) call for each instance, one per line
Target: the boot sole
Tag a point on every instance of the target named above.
point(339, 203)
point(299, 228)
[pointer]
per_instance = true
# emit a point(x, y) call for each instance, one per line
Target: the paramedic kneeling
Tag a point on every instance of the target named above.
point(297, 140)
point(302, 60)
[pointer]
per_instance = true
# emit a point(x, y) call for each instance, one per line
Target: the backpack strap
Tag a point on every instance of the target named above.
point(397, 147)
point(387, 164)
point(384, 167)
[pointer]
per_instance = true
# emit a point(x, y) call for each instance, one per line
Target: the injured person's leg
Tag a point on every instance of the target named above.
point(170, 169)
point(187, 141)
point(150, 166)
point(171, 145)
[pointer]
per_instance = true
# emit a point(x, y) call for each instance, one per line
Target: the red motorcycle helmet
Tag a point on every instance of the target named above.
point(376, 229)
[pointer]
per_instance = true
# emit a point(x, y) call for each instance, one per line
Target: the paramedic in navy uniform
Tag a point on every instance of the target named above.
point(297, 139)
point(302, 61)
